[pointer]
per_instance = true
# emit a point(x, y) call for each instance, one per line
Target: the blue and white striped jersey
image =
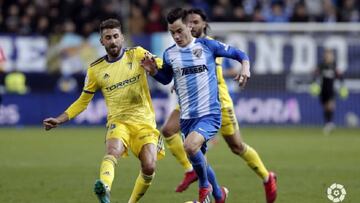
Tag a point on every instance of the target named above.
point(194, 71)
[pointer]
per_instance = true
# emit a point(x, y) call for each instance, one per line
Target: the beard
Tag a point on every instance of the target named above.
point(113, 50)
point(195, 33)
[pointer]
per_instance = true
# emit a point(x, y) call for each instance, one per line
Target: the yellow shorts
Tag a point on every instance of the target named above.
point(229, 122)
point(135, 136)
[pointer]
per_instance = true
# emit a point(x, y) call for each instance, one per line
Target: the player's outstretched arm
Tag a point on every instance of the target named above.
point(50, 123)
point(73, 110)
point(222, 50)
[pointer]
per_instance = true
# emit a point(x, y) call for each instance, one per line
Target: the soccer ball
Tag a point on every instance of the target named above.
point(192, 201)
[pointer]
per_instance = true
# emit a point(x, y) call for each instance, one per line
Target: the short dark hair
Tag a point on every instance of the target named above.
point(203, 16)
point(175, 14)
point(110, 23)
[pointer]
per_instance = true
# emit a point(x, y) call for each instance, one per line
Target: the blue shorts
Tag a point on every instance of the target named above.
point(207, 126)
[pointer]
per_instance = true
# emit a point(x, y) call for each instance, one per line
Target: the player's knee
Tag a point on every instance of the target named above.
point(237, 147)
point(190, 148)
point(167, 131)
point(148, 166)
point(114, 147)
point(114, 151)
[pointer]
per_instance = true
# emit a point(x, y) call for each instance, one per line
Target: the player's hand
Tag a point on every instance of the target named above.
point(244, 75)
point(50, 123)
point(343, 92)
point(242, 80)
point(314, 89)
point(149, 64)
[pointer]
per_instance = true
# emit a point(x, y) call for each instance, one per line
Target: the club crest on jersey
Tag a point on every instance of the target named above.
point(197, 52)
point(106, 76)
point(129, 65)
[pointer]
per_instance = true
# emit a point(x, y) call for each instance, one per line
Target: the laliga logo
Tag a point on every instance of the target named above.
point(336, 192)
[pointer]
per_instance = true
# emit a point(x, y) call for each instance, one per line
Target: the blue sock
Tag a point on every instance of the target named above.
point(212, 179)
point(199, 164)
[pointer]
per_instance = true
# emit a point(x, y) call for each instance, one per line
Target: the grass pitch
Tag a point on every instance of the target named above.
point(61, 166)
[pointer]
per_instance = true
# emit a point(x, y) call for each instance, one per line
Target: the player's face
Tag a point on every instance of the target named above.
point(180, 32)
point(329, 56)
point(197, 25)
point(112, 40)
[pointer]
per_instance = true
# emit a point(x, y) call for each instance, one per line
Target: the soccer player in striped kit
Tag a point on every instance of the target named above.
point(191, 62)
point(229, 127)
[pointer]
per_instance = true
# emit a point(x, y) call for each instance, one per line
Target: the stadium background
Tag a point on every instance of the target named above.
point(52, 42)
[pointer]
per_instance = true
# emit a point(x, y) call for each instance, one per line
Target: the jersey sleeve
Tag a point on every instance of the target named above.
point(90, 84)
point(90, 87)
point(226, 64)
point(223, 50)
point(79, 105)
point(165, 73)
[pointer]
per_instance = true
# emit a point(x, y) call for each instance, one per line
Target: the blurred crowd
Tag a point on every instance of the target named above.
point(46, 17)
point(71, 26)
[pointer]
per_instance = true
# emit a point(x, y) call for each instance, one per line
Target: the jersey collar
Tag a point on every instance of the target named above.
point(191, 44)
point(116, 59)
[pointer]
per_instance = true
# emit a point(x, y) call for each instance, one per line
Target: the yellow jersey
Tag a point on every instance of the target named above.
point(224, 95)
point(124, 86)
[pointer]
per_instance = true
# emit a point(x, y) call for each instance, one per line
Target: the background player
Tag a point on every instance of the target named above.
point(131, 120)
point(229, 126)
point(327, 72)
point(191, 62)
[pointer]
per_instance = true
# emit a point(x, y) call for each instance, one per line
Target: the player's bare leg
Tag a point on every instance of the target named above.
point(114, 149)
point(172, 124)
point(253, 160)
point(147, 157)
point(171, 132)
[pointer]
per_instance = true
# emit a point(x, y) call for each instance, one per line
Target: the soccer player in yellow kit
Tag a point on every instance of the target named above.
point(229, 127)
point(131, 119)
